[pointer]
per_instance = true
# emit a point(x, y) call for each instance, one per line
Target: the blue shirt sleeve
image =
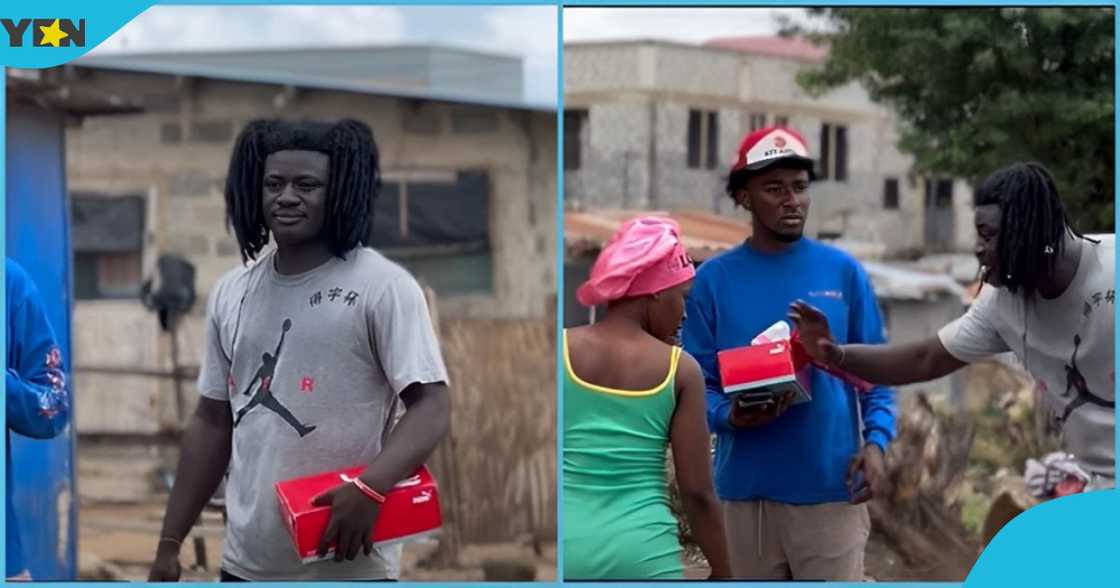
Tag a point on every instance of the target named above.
point(866, 326)
point(38, 402)
point(699, 339)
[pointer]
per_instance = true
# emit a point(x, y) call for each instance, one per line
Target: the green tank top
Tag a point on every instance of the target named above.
point(617, 520)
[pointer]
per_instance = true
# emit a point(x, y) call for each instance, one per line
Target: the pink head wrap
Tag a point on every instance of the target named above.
point(645, 256)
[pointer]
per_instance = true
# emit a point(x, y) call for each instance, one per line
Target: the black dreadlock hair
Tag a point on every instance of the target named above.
point(737, 180)
point(352, 187)
point(1033, 223)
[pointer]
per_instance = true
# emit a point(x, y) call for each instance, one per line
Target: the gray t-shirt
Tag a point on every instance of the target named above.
point(1067, 346)
point(312, 366)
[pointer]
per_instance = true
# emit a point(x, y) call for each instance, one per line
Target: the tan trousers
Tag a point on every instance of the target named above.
point(775, 541)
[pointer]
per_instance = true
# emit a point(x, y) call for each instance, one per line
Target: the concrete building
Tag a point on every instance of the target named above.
point(468, 205)
point(655, 125)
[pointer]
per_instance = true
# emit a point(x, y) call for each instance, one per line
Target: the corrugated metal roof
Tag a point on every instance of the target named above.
point(28, 85)
point(704, 234)
point(188, 55)
point(123, 63)
point(900, 283)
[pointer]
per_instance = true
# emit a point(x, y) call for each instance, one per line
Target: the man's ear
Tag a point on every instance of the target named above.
point(743, 199)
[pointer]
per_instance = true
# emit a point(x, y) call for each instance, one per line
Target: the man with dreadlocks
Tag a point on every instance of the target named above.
point(310, 349)
point(1050, 302)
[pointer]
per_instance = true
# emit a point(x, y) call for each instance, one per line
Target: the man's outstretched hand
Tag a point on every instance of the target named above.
point(816, 337)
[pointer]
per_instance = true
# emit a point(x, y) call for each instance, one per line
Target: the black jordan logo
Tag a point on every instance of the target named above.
point(264, 396)
point(1075, 383)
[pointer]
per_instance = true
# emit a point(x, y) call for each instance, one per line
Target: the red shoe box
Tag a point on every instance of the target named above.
point(758, 373)
point(411, 510)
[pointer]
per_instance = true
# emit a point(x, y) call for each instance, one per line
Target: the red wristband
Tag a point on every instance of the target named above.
point(373, 495)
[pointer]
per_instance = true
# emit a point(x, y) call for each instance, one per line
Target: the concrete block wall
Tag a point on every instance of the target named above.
point(773, 81)
point(612, 81)
point(677, 185)
point(605, 67)
point(186, 178)
point(615, 167)
point(693, 70)
point(770, 81)
point(183, 171)
point(964, 224)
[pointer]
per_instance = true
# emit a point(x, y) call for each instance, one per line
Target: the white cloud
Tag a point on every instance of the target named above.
point(529, 31)
point(689, 25)
point(171, 28)
point(523, 29)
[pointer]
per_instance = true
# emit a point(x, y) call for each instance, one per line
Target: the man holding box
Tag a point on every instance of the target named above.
point(793, 477)
point(309, 352)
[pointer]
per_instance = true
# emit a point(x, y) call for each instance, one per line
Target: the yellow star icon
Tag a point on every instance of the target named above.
point(52, 34)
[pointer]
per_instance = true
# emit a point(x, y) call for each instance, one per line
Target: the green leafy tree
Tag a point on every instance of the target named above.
point(979, 88)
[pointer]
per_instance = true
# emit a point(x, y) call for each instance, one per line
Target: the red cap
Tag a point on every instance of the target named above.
point(765, 147)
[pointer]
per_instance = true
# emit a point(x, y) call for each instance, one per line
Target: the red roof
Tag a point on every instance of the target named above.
point(773, 46)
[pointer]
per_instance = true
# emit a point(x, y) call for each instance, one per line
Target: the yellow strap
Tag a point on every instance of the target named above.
point(674, 356)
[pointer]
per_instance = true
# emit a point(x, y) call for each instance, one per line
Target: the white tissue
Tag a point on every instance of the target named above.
point(778, 331)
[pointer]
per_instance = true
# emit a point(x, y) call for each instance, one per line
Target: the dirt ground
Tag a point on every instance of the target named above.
point(121, 509)
point(117, 541)
point(882, 564)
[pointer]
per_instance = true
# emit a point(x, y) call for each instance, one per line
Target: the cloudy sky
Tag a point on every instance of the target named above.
point(690, 25)
point(525, 31)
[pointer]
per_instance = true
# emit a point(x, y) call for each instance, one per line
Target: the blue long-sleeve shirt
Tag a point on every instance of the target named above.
point(803, 456)
point(37, 399)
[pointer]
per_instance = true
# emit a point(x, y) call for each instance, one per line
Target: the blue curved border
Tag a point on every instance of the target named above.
point(100, 23)
point(1070, 541)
